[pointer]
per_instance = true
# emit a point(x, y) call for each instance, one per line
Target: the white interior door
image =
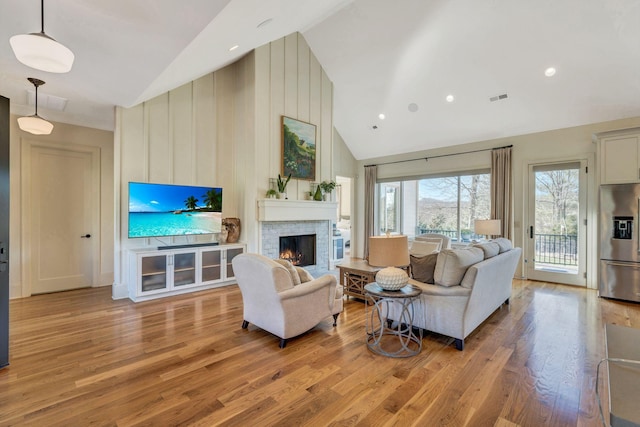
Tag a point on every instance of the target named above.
point(62, 211)
point(556, 231)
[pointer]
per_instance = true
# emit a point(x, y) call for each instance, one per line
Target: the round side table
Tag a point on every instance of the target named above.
point(393, 338)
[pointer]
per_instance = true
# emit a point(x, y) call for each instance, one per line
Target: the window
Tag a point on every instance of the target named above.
point(445, 204)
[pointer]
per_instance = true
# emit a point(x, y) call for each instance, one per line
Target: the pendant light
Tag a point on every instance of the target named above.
point(35, 124)
point(39, 51)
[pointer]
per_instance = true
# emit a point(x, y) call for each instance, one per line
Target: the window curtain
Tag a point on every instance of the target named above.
point(501, 189)
point(370, 177)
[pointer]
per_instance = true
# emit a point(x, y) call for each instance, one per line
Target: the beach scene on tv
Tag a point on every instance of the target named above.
point(173, 210)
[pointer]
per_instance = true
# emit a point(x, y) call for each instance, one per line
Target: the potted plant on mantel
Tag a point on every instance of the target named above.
point(282, 186)
point(271, 193)
point(327, 188)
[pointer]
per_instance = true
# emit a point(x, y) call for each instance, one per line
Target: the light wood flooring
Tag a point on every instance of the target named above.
point(79, 358)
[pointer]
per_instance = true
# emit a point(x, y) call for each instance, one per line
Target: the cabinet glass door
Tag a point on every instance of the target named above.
point(211, 266)
point(231, 254)
point(184, 269)
point(154, 273)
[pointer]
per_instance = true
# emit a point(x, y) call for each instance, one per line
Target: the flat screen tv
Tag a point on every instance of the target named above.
point(161, 210)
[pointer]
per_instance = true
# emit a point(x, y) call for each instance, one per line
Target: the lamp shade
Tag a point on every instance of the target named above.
point(388, 251)
point(487, 227)
point(39, 51)
point(35, 125)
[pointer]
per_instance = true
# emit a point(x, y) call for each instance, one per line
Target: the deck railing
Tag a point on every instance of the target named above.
point(559, 249)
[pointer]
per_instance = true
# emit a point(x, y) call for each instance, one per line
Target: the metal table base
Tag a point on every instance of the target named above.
point(395, 338)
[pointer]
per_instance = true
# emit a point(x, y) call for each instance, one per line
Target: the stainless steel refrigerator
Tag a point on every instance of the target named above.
point(620, 242)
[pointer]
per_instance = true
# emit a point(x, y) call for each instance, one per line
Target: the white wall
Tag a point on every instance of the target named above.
point(62, 134)
point(224, 129)
point(561, 144)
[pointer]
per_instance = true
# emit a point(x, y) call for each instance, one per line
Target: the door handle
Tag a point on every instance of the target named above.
point(531, 232)
point(86, 236)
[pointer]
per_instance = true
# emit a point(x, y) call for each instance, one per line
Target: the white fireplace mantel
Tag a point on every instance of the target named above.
point(296, 210)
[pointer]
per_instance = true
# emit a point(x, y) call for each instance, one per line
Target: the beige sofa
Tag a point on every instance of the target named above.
point(469, 285)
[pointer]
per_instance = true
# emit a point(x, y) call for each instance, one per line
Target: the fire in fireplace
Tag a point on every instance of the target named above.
point(299, 250)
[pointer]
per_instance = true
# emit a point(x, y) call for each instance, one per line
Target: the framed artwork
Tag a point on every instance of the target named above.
point(298, 149)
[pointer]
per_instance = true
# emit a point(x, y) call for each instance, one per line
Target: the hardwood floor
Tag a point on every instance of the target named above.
point(79, 358)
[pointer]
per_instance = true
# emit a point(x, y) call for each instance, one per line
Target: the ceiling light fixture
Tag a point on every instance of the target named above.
point(450, 98)
point(39, 51)
point(550, 72)
point(35, 124)
point(381, 116)
point(234, 47)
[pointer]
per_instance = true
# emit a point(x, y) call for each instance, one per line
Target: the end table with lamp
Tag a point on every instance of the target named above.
point(389, 288)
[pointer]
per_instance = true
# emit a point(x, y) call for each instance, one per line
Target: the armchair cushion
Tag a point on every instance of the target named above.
point(295, 277)
point(305, 276)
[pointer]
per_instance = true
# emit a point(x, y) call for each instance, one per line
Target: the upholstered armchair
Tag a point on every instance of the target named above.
point(282, 299)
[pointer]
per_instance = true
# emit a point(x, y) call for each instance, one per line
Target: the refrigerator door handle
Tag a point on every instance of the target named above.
point(622, 264)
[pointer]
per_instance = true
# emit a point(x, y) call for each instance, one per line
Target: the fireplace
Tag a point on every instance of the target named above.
point(300, 250)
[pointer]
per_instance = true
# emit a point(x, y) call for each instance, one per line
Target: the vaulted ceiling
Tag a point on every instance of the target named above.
point(401, 59)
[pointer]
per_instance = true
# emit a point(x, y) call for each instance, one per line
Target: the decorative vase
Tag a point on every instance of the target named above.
point(232, 225)
point(326, 197)
point(282, 196)
point(318, 194)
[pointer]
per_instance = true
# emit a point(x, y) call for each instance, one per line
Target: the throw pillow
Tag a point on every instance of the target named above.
point(423, 248)
point(295, 277)
point(305, 276)
point(505, 244)
point(452, 264)
point(423, 267)
point(490, 249)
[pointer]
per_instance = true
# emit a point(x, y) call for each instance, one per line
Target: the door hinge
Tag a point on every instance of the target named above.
point(585, 221)
point(586, 169)
point(584, 274)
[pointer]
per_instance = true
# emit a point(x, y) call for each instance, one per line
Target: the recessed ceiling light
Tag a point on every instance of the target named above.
point(265, 23)
point(413, 107)
point(234, 47)
point(381, 116)
point(549, 71)
point(450, 98)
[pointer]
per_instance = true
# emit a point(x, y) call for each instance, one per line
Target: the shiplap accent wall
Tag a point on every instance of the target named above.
point(224, 129)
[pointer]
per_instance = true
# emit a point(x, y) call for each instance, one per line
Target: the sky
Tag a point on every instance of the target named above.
point(146, 197)
point(304, 131)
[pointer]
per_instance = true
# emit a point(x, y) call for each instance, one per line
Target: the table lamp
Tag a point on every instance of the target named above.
point(389, 252)
point(487, 227)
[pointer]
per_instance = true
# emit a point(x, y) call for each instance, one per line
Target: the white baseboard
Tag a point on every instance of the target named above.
point(119, 291)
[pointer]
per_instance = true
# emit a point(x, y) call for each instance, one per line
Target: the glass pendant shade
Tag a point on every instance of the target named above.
point(35, 125)
point(39, 51)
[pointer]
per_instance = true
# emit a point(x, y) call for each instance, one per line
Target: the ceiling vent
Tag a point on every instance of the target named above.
point(498, 97)
point(50, 102)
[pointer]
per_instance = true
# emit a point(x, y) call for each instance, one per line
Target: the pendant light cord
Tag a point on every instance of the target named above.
point(41, 19)
point(36, 100)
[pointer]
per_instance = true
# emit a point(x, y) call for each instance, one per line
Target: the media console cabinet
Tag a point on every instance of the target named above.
point(156, 273)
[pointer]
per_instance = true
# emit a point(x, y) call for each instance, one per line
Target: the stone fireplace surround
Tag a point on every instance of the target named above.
point(295, 217)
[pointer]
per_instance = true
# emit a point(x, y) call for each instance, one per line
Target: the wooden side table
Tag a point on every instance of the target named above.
point(385, 337)
point(354, 275)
